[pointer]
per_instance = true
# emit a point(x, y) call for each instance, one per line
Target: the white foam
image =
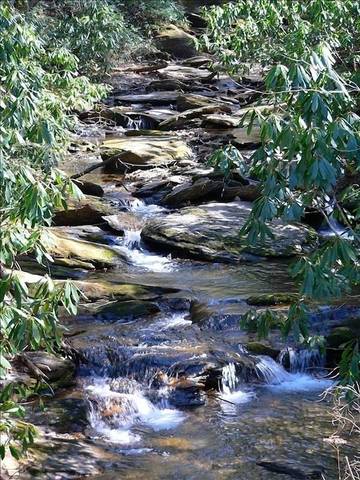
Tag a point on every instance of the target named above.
point(135, 409)
point(173, 321)
point(278, 379)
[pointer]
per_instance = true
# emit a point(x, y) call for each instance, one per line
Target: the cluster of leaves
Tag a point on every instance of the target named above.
point(102, 32)
point(38, 90)
point(245, 32)
point(310, 137)
point(147, 15)
point(226, 160)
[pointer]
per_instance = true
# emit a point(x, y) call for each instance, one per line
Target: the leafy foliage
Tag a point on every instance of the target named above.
point(39, 88)
point(95, 32)
point(226, 160)
point(311, 135)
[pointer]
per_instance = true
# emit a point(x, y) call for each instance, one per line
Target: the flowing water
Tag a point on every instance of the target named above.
point(176, 394)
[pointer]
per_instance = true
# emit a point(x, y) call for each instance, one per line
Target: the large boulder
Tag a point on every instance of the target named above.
point(89, 210)
point(176, 42)
point(128, 153)
point(71, 251)
point(211, 232)
point(205, 189)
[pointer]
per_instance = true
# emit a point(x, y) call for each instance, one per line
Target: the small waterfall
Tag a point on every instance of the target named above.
point(135, 123)
point(117, 406)
point(275, 376)
point(301, 360)
point(228, 379)
point(230, 393)
point(270, 371)
point(132, 238)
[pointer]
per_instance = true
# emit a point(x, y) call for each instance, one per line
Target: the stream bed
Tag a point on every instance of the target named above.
point(170, 390)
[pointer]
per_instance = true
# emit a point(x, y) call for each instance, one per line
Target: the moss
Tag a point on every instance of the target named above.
point(268, 300)
point(258, 348)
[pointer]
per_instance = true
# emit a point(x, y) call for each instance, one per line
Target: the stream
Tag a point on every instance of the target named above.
point(173, 392)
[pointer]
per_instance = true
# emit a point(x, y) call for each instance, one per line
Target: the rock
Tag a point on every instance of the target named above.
point(269, 300)
point(259, 348)
point(128, 309)
point(88, 210)
point(167, 85)
point(211, 232)
point(99, 290)
point(182, 118)
point(339, 336)
point(65, 249)
point(154, 98)
point(143, 152)
point(156, 116)
point(176, 42)
point(57, 369)
point(242, 140)
point(294, 470)
point(91, 233)
point(198, 61)
point(220, 121)
point(124, 221)
point(205, 189)
point(192, 101)
point(184, 74)
point(89, 188)
point(199, 313)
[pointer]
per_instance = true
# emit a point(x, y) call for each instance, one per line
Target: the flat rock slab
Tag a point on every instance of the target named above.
point(211, 232)
point(131, 153)
point(185, 74)
point(155, 98)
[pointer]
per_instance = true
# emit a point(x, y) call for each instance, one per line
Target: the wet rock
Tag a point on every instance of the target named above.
point(125, 291)
point(143, 152)
point(192, 101)
point(221, 121)
point(269, 299)
point(89, 188)
point(260, 348)
point(184, 74)
point(124, 221)
point(182, 119)
point(167, 85)
point(57, 369)
point(67, 250)
point(211, 232)
point(89, 210)
point(199, 313)
point(205, 189)
point(294, 470)
point(339, 336)
point(154, 98)
point(129, 309)
point(91, 233)
point(176, 42)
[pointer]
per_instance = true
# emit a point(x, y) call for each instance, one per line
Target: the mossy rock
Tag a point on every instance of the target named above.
point(339, 336)
point(272, 299)
point(259, 348)
point(62, 247)
point(129, 309)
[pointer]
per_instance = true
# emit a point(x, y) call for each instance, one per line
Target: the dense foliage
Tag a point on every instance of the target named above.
point(310, 140)
point(100, 33)
point(39, 88)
